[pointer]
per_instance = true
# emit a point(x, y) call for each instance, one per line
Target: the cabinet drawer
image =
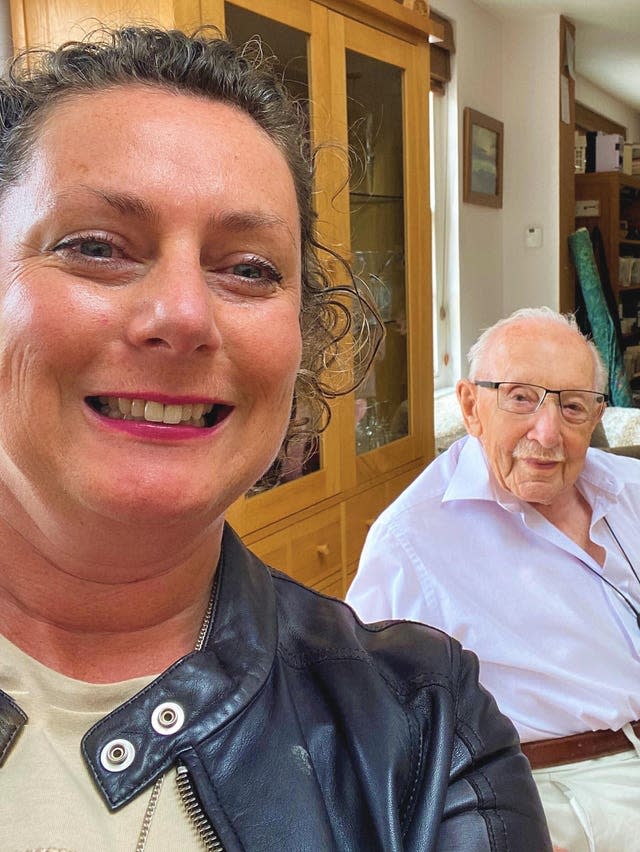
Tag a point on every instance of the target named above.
point(315, 544)
point(308, 551)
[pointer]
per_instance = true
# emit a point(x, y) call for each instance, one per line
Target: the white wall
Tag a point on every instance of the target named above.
point(508, 70)
point(478, 80)
point(600, 101)
point(531, 80)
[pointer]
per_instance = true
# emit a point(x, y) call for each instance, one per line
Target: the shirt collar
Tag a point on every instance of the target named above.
point(473, 480)
point(599, 486)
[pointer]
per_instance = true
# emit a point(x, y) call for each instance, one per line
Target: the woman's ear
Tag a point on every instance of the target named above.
point(467, 394)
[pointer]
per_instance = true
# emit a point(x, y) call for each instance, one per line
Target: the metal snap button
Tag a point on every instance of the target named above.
point(117, 755)
point(167, 718)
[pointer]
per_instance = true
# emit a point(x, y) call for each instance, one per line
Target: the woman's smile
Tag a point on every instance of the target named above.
point(146, 409)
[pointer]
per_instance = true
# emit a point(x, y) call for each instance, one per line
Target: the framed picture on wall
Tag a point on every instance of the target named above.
point(483, 150)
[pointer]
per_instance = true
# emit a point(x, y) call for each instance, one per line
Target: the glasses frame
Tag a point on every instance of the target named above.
point(547, 391)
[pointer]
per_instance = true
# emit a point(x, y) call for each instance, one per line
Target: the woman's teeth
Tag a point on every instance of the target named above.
point(120, 408)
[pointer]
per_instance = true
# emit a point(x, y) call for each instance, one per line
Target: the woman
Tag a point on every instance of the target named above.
point(160, 298)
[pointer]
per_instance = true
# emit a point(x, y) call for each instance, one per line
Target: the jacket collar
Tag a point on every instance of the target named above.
point(12, 720)
point(211, 686)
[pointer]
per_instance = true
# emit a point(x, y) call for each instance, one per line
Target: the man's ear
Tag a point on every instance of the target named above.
point(595, 423)
point(467, 398)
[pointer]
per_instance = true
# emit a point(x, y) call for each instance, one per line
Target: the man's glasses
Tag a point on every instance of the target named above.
point(577, 406)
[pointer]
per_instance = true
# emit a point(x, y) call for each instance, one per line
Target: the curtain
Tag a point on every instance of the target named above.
point(602, 326)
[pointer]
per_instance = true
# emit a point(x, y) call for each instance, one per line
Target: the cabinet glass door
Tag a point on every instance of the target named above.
point(289, 46)
point(374, 115)
point(389, 231)
point(286, 42)
point(309, 473)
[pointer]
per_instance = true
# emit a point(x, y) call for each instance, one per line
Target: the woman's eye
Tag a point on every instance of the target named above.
point(252, 276)
point(91, 247)
point(97, 255)
point(248, 270)
point(95, 248)
point(256, 270)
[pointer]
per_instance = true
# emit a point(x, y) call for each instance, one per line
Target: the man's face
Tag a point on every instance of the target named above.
point(538, 456)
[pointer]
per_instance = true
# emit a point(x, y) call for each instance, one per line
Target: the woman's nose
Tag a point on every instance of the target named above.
point(174, 310)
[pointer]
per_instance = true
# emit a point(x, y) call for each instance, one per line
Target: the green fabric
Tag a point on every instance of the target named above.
point(602, 328)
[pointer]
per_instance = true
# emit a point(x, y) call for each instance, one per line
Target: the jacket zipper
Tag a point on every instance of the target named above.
point(196, 814)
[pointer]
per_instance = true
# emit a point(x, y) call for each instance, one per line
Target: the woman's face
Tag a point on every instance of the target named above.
point(149, 267)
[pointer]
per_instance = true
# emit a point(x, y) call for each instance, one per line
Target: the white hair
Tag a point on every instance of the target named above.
point(479, 349)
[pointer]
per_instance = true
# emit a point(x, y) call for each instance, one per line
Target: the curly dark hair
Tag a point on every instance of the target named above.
point(205, 64)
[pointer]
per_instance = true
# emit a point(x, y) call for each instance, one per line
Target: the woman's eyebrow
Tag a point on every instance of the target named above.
point(250, 220)
point(129, 205)
point(123, 202)
point(232, 220)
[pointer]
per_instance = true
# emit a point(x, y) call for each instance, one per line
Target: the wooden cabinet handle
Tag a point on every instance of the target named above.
point(322, 550)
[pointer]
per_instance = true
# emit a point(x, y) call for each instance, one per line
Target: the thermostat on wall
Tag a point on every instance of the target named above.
point(533, 236)
point(587, 208)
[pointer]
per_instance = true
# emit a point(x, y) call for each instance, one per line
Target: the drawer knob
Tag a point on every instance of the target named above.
point(322, 550)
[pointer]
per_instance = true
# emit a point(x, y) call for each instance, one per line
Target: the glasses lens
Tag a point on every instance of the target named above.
point(580, 406)
point(519, 399)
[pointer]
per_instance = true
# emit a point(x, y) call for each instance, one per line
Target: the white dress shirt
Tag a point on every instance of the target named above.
point(558, 648)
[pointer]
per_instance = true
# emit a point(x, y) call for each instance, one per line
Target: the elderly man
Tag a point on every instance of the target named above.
point(525, 544)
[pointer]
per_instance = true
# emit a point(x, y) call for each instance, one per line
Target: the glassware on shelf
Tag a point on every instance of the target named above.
point(369, 152)
point(379, 271)
point(372, 429)
point(378, 238)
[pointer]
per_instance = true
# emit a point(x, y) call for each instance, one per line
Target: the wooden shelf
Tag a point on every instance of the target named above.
point(373, 197)
point(616, 203)
point(620, 178)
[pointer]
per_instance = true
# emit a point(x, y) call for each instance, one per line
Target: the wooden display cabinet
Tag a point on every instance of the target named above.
point(362, 67)
point(619, 222)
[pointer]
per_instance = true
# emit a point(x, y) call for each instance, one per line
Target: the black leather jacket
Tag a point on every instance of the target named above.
point(305, 730)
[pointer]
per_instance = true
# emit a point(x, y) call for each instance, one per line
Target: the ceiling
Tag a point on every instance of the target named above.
point(607, 39)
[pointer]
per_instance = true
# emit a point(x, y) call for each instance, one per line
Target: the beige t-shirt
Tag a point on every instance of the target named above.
point(48, 800)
